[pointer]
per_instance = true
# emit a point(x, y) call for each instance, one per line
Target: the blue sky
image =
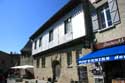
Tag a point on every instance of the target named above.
point(19, 19)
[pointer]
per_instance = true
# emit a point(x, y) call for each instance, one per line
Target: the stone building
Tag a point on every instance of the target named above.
point(90, 29)
point(26, 58)
point(4, 64)
point(108, 21)
point(7, 61)
point(58, 43)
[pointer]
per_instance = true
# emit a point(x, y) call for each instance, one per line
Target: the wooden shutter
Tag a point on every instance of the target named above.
point(114, 11)
point(94, 20)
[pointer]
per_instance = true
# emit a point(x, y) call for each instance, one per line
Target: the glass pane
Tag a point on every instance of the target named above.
point(83, 76)
point(40, 42)
point(37, 63)
point(98, 80)
point(35, 45)
point(51, 35)
point(43, 62)
point(69, 58)
point(108, 17)
point(68, 25)
point(102, 19)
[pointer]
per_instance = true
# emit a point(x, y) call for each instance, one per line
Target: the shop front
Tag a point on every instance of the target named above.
point(109, 58)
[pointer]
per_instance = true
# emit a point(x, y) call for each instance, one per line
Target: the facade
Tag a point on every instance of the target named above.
point(26, 58)
point(58, 43)
point(82, 28)
point(108, 21)
point(4, 65)
point(7, 61)
point(111, 30)
point(22, 72)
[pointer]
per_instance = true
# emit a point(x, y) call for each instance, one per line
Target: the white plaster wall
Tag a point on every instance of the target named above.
point(78, 26)
point(54, 42)
point(45, 42)
point(61, 33)
point(93, 1)
point(59, 37)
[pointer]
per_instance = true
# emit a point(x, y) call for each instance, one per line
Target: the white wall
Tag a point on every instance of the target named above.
point(93, 1)
point(54, 42)
point(78, 30)
point(78, 26)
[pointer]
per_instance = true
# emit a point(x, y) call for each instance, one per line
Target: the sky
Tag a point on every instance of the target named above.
point(19, 19)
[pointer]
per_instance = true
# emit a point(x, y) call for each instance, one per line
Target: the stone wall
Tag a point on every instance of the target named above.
point(67, 73)
point(118, 30)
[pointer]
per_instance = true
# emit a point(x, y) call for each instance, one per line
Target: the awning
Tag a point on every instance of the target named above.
point(107, 54)
point(22, 67)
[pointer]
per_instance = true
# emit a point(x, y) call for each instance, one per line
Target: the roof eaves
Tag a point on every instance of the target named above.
point(27, 46)
point(70, 5)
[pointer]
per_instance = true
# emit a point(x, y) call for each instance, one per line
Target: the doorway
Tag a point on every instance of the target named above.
point(56, 70)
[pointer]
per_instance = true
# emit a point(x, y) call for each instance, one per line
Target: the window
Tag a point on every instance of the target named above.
point(78, 53)
point(40, 41)
point(43, 62)
point(105, 20)
point(37, 63)
point(35, 44)
point(69, 58)
point(68, 26)
point(83, 76)
point(99, 80)
point(50, 35)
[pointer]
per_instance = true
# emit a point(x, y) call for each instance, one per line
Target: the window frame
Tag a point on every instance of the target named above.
point(35, 44)
point(99, 80)
point(43, 62)
point(78, 54)
point(83, 74)
point(37, 62)
point(69, 58)
point(40, 41)
point(67, 23)
point(103, 12)
point(51, 35)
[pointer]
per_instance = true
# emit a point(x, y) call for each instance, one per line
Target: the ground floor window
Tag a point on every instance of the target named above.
point(37, 62)
point(99, 80)
point(69, 58)
point(43, 62)
point(83, 77)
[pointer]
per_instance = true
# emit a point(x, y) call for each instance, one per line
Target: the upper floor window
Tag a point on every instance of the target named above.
point(105, 20)
point(69, 58)
point(35, 44)
point(50, 35)
point(40, 41)
point(68, 25)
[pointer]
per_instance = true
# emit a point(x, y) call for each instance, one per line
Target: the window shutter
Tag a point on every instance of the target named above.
point(94, 21)
point(114, 11)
